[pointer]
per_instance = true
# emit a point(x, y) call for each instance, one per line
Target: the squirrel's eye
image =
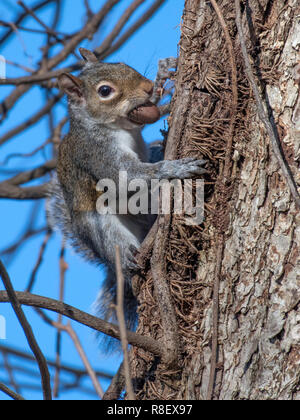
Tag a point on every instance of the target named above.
point(105, 91)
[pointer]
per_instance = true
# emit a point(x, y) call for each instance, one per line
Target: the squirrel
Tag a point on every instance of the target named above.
point(109, 104)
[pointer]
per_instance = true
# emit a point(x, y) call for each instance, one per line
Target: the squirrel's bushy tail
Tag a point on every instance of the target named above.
point(104, 307)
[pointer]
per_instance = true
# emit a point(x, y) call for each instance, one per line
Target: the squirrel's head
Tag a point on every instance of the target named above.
point(111, 94)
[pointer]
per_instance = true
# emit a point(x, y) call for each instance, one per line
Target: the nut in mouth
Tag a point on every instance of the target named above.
point(147, 113)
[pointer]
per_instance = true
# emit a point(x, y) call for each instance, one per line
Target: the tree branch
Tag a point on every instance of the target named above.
point(32, 120)
point(97, 324)
point(66, 368)
point(116, 386)
point(11, 393)
point(42, 363)
point(17, 193)
point(122, 324)
point(22, 16)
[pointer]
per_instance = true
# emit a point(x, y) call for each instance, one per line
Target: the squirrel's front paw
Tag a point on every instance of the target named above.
point(191, 166)
point(184, 168)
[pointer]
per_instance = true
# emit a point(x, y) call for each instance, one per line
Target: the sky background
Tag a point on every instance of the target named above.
point(157, 39)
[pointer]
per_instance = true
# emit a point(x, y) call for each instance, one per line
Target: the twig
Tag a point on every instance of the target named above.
point(29, 233)
point(20, 66)
point(22, 16)
point(118, 27)
point(45, 376)
point(47, 29)
point(89, 11)
point(10, 187)
point(122, 324)
point(68, 329)
point(25, 155)
point(55, 139)
point(19, 36)
point(275, 142)
point(116, 386)
point(147, 15)
point(63, 266)
point(27, 176)
point(10, 372)
point(79, 373)
point(39, 261)
point(34, 31)
point(11, 393)
point(32, 120)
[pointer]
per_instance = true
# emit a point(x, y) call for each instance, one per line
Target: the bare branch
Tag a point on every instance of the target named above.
point(122, 324)
point(11, 393)
point(10, 188)
point(32, 120)
point(13, 299)
point(64, 367)
point(63, 267)
point(22, 16)
point(97, 324)
point(118, 27)
point(68, 329)
point(10, 373)
point(39, 261)
point(17, 193)
point(27, 176)
point(116, 386)
point(48, 30)
point(147, 15)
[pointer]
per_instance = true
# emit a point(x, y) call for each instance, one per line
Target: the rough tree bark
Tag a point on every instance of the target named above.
point(249, 241)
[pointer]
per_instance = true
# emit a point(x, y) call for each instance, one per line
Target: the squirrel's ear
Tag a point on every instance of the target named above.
point(88, 56)
point(71, 85)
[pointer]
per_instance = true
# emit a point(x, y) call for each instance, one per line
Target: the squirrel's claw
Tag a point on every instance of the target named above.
point(131, 259)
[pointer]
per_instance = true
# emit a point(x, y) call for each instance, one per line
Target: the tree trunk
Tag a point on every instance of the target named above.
point(235, 280)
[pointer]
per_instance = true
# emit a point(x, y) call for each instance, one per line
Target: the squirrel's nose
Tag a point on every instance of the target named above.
point(147, 87)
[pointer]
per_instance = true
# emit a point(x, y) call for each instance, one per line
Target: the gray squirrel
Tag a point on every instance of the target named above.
point(108, 106)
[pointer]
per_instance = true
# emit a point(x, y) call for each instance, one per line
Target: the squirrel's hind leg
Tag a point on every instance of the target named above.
point(102, 233)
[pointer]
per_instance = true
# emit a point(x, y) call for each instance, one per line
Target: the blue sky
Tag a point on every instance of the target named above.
point(155, 40)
